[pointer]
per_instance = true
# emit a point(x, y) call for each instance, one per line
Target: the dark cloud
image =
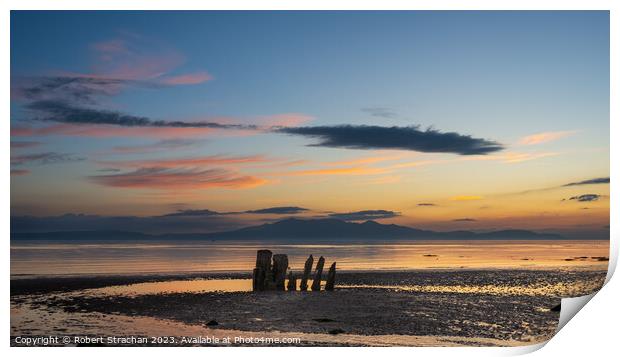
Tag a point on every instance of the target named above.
point(426, 204)
point(402, 138)
point(589, 197)
point(279, 210)
point(63, 112)
point(364, 215)
point(380, 112)
point(79, 89)
point(109, 169)
point(44, 158)
point(270, 210)
point(464, 220)
point(24, 144)
point(600, 180)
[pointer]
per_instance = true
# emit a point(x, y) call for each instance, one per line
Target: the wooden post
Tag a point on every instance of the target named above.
point(316, 283)
point(292, 281)
point(331, 277)
point(307, 270)
point(263, 267)
point(280, 265)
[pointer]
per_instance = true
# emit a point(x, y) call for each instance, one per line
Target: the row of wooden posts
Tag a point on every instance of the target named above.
point(267, 276)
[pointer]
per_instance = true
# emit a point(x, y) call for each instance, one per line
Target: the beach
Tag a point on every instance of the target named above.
point(482, 307)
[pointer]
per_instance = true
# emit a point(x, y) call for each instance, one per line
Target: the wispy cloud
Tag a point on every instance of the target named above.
point(545, 137)
point(278, 210)
point(426, 204)
point(400, 138)
point(365, 215)
point(594, 181)
point(44, 158)
point(268, 122)
point(169, 144)
point(206, 212)
point(513, 157)
point(133, 56)
point(193, 213)
point(190, 78)
point(70, 99)
point(188, 161)
point(381, 112)
point(71, 119)
point(62, 112)
point(24, 144)
point(84, 90)
point(464, 220)
point(178, 178)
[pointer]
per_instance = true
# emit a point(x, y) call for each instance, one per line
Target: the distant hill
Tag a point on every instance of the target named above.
point(294, 229)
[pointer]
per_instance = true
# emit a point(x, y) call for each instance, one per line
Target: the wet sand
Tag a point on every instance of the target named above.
point(475, 307)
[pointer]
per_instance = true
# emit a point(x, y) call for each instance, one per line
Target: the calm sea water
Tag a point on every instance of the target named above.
point(69, 258)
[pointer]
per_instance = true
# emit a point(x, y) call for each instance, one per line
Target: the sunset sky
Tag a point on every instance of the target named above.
point(206, 121)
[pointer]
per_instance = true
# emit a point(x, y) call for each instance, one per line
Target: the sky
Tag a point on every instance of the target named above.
point(206, 120)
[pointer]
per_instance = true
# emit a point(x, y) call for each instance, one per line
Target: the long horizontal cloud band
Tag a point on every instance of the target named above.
point(402, 138)
point(342, 136)
point(61, 112)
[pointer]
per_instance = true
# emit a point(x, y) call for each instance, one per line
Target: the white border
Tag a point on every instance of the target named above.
point(596, 324)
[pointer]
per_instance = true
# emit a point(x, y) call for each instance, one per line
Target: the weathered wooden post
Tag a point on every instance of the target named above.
point(280, 265)
point(331, 277)
point(292, 281)
point(307, 270)
point(262, 269)
point(316, 283)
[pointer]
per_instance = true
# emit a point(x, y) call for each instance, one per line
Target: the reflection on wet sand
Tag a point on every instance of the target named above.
point(96, 324)
point(367, 308)
point(180, 286)
point(245, 285)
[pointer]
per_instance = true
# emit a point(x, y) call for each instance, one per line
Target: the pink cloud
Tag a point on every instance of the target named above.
point(541, 138)
point(114, 46)
point(285, 119)
point(186, 79)
point(179, 179)
point(187, 162)
point(135, 58)
point(132, 57)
